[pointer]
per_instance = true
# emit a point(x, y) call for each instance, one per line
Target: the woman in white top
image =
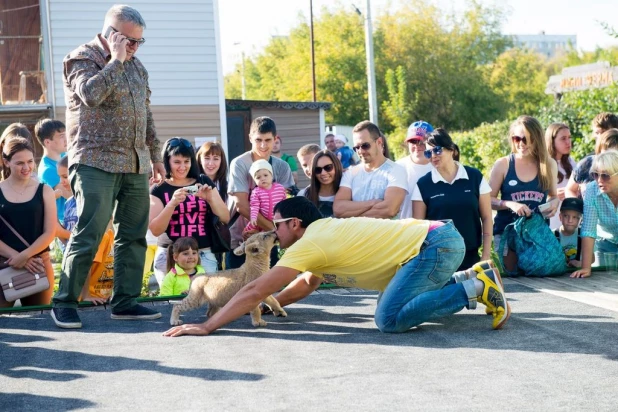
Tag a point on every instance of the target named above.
point(558, 142)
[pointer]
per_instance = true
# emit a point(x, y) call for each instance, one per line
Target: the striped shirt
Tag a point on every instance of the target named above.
point(264, 200)
point(600, 215)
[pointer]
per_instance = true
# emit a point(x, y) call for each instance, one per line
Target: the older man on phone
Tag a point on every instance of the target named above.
point(112, 144)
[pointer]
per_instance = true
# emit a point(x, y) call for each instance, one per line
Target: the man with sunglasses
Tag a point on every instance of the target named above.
point(376, 187)
point(416, 164)
point(413, 267)
point(112, 144)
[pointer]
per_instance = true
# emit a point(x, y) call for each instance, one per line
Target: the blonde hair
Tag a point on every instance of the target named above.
point(606, 162)
point(536, 145)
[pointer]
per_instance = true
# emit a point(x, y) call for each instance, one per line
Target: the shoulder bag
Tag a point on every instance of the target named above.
point(19, 283)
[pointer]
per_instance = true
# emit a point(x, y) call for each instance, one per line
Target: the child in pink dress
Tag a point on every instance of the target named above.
point(265, 195)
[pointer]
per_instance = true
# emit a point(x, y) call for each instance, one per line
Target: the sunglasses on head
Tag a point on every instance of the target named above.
point(177, 141)
point(328, 168)
point(604, 176)
point(518, 139)
point(436, 150)
point(417, 142)
point(364, 146)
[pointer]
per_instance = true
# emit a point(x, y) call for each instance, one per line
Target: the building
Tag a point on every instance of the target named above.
point(546, 44)
point(182, 56)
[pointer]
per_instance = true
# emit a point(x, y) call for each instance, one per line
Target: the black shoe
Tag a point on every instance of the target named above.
point(137, 312)
point(66, 318)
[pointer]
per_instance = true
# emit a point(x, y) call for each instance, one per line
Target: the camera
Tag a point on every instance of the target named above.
point(192, 189)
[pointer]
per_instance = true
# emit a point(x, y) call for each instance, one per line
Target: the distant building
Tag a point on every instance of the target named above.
point(546, 44)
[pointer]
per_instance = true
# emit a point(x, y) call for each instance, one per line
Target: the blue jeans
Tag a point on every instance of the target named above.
point(420, 290)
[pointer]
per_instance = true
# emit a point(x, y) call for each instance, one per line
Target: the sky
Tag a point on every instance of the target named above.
point(250, 30)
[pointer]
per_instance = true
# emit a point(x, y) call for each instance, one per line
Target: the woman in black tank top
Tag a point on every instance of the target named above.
point(525, 179)
point(30, 208)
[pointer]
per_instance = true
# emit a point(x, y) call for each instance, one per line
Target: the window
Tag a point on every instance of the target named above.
point(22, 76)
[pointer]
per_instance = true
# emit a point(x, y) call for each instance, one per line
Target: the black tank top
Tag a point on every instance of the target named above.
point(26, 218)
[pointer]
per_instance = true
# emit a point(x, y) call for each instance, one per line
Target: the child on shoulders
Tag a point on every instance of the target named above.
point(182, 266)
point(571, 212)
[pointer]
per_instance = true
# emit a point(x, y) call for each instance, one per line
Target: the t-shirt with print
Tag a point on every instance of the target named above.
point(569, 245)
point(188, 219)
point(101, 283)
point(341, 246)
point(414, 172)
point(48, 174)
point(241, 182)
point(369, 185)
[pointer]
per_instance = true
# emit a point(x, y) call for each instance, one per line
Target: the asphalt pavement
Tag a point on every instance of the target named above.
point(327, 355)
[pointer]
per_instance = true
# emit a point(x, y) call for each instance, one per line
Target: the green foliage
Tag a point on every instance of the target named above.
point(519, 77)
point(577, 109)
point(429, 64)
point(482, 146)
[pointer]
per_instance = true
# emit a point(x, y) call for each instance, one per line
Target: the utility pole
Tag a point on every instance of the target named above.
point(371, 76)
point(312, 51)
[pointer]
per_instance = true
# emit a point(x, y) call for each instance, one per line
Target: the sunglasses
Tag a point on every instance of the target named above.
point(277, 221)
point(364, 146)
point(130, 40)
point(328, 168)
point(519, 139)
point(416, 142)
point(177, 141)
point(604, 176)
point(436, 150)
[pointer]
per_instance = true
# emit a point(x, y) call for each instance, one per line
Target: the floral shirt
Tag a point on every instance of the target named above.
point(108, 120)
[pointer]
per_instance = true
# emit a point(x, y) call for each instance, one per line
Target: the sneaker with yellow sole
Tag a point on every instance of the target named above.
point(493, 297)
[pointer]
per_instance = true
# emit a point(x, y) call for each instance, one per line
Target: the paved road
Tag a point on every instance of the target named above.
point(554, 354)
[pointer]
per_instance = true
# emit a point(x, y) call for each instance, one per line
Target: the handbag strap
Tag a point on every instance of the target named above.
point(15, 232)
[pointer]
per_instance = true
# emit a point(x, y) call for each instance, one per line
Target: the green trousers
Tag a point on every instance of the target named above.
point(99, 195)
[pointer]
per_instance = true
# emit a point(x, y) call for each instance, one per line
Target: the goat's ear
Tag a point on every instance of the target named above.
point(240, 250)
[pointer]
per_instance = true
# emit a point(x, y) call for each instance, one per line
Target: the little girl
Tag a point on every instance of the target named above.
point(344, 153)
point(265, 195)
point(182, 266)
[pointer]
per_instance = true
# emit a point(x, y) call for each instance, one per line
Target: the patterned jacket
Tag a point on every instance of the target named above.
point(108, 119)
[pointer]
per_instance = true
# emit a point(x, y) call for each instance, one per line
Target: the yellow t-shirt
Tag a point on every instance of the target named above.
point(361, 252)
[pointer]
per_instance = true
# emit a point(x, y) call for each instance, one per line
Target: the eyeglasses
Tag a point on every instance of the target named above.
point(328, 168)
point(436, 150)
point(177, 141)
point(416, 142)
point(604, 176)
point(519, 139)
point(132, 41)
point(277, 221)
point(364, 146)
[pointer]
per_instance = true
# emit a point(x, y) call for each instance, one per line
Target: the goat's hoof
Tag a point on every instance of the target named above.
point(280, 313)
point(261, 322)
point(175, 322)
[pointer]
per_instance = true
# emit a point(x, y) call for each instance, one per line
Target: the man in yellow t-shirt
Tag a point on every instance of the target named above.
point(412, 262)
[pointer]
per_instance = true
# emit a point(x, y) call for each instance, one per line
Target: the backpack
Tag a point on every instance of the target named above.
point(538, 251)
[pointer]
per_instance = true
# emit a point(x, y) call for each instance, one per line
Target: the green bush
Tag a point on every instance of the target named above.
point(577, 109)
point(482, 146)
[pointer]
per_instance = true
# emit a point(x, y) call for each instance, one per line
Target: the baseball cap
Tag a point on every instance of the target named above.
point(573, 203)
point(259, 165)
point(419, 130)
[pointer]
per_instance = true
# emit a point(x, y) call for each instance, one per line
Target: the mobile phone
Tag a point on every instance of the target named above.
point(109, 31)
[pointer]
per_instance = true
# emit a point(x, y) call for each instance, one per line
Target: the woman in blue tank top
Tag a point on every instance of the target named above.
point(525, 179)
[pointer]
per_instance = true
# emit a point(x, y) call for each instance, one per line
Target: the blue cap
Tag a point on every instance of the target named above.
point(419, 130)
point(573, 203)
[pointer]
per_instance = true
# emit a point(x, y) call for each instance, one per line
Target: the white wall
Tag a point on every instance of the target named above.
point(180, 52)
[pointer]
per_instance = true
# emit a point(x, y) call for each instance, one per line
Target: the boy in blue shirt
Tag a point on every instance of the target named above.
point(51, 135)
point(571, 212)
